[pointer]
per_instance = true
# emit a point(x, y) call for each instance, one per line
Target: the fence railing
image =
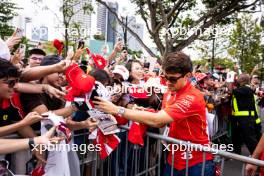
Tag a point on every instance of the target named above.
point(150, 160)
point(131, 159)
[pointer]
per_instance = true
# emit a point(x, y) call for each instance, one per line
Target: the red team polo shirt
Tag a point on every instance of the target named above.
point(187, 108)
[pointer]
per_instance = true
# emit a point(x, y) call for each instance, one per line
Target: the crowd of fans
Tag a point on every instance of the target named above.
point(171, 95)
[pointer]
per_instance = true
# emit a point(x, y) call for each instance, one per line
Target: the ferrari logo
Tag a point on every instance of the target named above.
point(5, 117)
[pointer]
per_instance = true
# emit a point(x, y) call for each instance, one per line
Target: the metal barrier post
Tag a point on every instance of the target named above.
point(243, 170)
point(222, 166)
point(147, 152)
point(160, 151)
point(203, 166)
point(126, 157)
point(187, 162)
point(172, 162)
point(116, 163)
point(136, 158)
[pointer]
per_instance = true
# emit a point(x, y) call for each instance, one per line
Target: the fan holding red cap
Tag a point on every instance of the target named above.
point(81, 84)
point(99, 61)
point(58, 45)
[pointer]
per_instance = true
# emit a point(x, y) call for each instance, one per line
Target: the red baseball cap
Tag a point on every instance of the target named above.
point(58, 45)
point(99, 61)
point(78, 79)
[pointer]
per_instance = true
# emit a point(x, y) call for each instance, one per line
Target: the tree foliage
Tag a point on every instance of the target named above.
point(219, 62)
point(7, 13)
point(69, 9)
point(246, 43)
point(163, 19)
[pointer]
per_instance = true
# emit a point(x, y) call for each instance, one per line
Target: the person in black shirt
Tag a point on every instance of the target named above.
point(245, 123)
point(11, 114)
point(42, 103)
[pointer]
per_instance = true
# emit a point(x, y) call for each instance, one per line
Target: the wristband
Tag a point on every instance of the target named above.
point(31, 143)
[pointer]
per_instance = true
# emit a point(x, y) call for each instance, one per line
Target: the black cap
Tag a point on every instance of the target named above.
point(50, 60)
point(36, 51)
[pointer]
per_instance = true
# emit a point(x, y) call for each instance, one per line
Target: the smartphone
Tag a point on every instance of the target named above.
point(44, 115)
point(81, 104)
point(124, 48)
point(146, 65)
point(19, 32)
point(22, 49)
point(94, 94)
point(80, 44)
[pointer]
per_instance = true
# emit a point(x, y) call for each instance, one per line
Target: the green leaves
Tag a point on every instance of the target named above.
point(7, 12)
point(246, 43)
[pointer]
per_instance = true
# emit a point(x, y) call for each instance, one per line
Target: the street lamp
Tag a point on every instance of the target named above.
point(27, 20)
point(125, 21)
point(106, 24)
point(262, 41)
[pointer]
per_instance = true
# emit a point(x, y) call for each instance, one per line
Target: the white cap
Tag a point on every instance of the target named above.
point(122, 70)
point(4, 50)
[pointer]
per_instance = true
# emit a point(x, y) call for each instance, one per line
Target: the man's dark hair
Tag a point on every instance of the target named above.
point(36, 51)
point(177, 62)
point(7, 69)
point(50, 60)
point(101, 76)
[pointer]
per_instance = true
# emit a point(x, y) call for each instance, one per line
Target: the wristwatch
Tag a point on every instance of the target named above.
point(31, 143)
point(121, 111)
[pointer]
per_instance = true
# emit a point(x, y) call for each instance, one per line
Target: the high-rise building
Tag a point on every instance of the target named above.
point(106, 20)
point(82, 18)
point(138, 28)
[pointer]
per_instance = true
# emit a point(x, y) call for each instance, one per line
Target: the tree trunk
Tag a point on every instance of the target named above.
point(66, 37)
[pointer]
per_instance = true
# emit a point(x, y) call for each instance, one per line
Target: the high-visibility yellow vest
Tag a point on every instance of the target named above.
point(236, 112)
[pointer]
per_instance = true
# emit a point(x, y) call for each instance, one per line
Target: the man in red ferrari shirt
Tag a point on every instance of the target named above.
point(184, 111)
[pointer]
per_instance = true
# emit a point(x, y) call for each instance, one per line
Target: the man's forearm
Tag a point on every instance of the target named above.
point(111, 56)
point(8, 129)
point(38, 72)
point(148, 118)
point(27, 132)
point(65, 112)
point(13, 145)
point(30, 88)
point(260, 147)
point(73, 125)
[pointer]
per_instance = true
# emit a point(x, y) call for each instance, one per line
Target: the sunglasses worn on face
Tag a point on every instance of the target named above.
point(11, 82)
point(173, 79)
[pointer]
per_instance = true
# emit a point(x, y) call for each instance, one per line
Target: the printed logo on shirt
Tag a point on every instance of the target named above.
point(5, 117)
point(185, 103)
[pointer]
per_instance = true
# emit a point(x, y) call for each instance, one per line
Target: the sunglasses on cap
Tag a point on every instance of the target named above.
point(173, 79)
point(11, 82)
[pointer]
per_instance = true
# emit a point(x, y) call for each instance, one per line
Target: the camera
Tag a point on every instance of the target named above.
point(124, 48)
point(146, 65)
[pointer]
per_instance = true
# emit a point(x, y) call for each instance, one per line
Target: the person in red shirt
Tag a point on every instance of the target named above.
point(184, 111)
